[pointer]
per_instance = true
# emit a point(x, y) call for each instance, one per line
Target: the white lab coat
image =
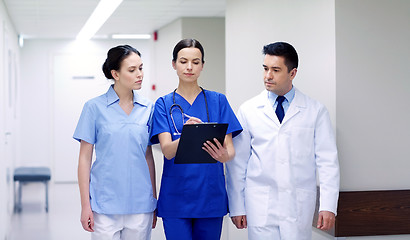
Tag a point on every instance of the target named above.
point(272, 179)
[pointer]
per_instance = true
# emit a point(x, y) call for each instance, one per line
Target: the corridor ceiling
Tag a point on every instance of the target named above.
point(63, 19)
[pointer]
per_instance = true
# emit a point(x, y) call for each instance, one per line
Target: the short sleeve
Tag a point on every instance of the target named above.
point(149, 123)
point(228, 116)
point(85, 129)
point(159, 120)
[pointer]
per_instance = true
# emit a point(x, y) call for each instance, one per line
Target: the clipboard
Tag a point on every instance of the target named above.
point(192, 140)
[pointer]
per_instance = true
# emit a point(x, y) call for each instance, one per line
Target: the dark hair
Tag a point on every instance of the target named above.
point(285, 50)
point(114, 58)
point(187, 43)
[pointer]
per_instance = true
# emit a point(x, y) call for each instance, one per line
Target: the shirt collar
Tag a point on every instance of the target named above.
point(289, 96)
point(112, 97)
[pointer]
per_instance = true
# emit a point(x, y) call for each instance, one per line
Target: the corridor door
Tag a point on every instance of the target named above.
point(8, 118)
point(76, 79)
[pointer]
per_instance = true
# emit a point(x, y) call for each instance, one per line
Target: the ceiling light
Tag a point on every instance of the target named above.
point(21, 40)
point(131, 36)
point(101, 13)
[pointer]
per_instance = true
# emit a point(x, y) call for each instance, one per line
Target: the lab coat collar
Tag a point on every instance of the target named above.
point(298, 103)
point(112, 97)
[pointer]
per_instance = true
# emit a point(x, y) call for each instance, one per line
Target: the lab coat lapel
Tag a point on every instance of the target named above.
point(267, 108)
point(295, 107)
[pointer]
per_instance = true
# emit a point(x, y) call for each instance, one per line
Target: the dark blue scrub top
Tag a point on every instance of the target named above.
point(192, 190)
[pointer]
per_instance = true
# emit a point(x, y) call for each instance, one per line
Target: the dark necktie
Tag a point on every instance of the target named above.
point(279, 108)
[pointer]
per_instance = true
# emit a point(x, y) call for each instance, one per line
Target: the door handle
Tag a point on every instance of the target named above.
point(6, 134)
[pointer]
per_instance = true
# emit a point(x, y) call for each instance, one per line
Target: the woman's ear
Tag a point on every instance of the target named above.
point(174, 65)
point(114, 74)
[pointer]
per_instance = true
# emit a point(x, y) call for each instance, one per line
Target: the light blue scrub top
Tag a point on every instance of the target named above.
point(192, 190)
point(120, 182)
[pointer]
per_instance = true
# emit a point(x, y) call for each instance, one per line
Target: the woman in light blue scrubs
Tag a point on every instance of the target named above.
point(192, 199)
point(118, 193)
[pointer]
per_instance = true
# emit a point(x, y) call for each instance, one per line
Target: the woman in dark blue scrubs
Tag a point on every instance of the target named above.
point(192, 199)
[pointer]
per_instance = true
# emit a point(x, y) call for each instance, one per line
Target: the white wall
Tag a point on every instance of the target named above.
point(164, 76)
point(373, 94)
point(9, 81)
point(211, 33)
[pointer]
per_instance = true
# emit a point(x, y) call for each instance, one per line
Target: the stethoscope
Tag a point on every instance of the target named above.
point(177, 106)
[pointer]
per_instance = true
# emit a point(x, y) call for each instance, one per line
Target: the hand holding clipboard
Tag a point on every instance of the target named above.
point(192, 140)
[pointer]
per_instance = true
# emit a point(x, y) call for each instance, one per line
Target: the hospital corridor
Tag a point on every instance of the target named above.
point(353, 61)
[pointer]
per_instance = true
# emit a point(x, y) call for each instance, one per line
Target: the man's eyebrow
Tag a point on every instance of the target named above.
point(274, 67)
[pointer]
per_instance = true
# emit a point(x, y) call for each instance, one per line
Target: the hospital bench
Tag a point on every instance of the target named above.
point(24, 175)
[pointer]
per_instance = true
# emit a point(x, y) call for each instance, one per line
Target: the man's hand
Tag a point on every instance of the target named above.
point(326, 220)
point(240, 221)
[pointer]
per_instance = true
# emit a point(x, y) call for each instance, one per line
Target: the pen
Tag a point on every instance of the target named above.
point(186, 115)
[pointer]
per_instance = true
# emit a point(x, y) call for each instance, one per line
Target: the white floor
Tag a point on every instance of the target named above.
point(62, 222)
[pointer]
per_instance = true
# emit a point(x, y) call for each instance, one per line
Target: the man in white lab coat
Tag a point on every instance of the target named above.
point(272, 180)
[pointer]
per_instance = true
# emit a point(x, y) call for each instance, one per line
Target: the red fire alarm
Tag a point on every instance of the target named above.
point(153, 87)
point(155, 36)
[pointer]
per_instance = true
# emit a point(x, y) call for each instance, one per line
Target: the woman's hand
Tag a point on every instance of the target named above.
point(217, 151)
point(87, 219)
point(154, 220)
point(193, 120)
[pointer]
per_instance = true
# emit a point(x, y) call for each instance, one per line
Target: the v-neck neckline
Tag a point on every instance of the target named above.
point(123, 111)
point(186, 101)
